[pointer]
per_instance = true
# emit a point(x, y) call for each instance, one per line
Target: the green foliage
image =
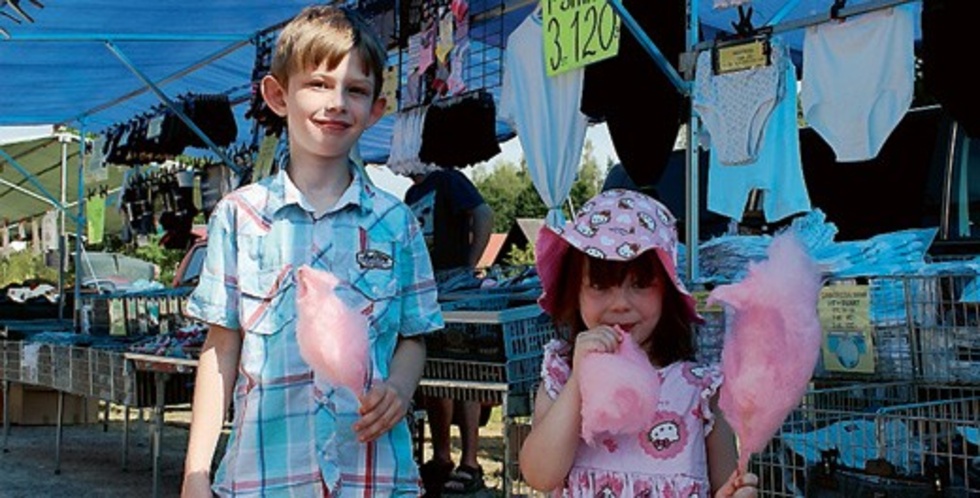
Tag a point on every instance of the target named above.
point(508, 190)
point(520, 256)
point(166, 259)
point(20, 266)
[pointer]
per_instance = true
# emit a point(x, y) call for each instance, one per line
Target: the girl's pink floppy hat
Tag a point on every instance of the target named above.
point(615, 225)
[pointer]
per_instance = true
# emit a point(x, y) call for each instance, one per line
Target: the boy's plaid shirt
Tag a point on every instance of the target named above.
point(291, 435)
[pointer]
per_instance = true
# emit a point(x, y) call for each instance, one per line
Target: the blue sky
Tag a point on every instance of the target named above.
point(510, 151)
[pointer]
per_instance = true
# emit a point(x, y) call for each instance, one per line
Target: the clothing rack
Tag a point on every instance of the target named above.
point(839, 11)
point(691, 155)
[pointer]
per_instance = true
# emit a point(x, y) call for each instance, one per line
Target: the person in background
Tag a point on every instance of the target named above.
point(618, 177)
point(290, 437)
point(610, 276)
point(457, 224)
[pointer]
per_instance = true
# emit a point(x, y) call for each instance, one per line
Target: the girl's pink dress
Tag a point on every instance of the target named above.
point(667, 459)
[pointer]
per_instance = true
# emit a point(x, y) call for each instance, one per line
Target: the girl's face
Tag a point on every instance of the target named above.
point(635, 304)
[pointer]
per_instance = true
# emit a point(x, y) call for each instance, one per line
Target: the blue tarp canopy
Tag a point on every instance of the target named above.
point(58, 68)
point(73, 62)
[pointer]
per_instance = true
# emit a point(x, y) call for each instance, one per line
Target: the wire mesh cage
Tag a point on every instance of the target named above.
point(946, 318)
point(878, 439)
point(90, 372)
point(10, 360)
point(516, 431)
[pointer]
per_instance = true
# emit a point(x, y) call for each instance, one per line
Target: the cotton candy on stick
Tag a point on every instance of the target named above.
point(772, 345)
point(332, 337)
point(619, 390)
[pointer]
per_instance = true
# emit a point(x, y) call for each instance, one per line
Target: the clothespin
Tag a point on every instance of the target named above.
point(744, 25)
point(15, 6)
point(835, 9)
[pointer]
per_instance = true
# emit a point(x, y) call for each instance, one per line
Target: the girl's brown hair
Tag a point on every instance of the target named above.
point(672, 340)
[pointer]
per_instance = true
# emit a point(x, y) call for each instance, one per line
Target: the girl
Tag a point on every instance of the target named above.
point(614, 267)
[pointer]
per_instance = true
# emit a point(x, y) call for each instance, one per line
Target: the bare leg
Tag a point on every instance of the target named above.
point(470, 432)
point(440, 414)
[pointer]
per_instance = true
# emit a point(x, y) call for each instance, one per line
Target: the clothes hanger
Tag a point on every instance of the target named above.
point(15, 6)
point(835, 9)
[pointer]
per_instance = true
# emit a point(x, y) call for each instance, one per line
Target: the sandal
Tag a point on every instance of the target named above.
point(434, 474)
point(464, 480)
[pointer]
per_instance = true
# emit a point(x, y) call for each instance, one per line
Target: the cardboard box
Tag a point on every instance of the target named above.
point(32, 405)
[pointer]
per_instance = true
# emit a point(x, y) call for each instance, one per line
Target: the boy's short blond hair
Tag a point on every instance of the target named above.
point(327, 33)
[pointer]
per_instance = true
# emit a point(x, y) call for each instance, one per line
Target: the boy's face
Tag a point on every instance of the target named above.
point(326, 110)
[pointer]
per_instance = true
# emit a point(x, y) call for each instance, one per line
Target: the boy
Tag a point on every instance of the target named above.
point(289, 436)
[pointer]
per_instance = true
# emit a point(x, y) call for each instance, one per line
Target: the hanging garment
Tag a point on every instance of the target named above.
point(944, 23)
point(462, 133)
point(630, 88)
point(735, 107)
point(35, 237)
point(545, 112)
point(724, 4)
point(777, 171)
point(406, 141)
point(95, 165)
point(49, 231)
point(95, 214)
point(858, 79)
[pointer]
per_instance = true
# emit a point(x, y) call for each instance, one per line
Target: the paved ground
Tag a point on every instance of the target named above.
point(91, 459)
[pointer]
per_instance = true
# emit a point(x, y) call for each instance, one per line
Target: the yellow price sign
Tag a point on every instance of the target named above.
point(742, 56)
point(848, 342)
point(389, 89)
point(578, 33)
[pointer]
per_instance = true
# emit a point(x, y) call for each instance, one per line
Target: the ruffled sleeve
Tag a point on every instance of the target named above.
point(555, 369)
point(711, 379)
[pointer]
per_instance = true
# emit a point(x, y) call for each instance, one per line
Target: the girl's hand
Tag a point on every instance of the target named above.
point(740, 486)
point(602, 339)
point(381, 408)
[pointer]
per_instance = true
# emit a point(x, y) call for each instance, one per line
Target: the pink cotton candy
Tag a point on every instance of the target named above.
point(619, 391)
point(333, 339)
point(773, 344)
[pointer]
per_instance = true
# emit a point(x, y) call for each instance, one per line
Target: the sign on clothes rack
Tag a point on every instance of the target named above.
point(578, 33)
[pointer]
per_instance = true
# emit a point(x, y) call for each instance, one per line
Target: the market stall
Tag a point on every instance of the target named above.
point(491, 348)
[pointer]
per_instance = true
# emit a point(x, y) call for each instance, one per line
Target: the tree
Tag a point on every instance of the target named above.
point(508, 190)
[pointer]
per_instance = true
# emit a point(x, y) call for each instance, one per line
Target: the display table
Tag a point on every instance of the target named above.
point(161, 368)
point(128, 379)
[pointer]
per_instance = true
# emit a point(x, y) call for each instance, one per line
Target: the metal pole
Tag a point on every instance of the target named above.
point(692, 210)
point(30, 178)
point(6, 414)
point(62, 240)
point(18, 188)
point(174, 108)
point(57, 438)
point(79, 224)
point(125, 438)
point(161, 384)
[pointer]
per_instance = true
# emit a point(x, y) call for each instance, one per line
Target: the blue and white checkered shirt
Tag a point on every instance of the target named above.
point(290, 438)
